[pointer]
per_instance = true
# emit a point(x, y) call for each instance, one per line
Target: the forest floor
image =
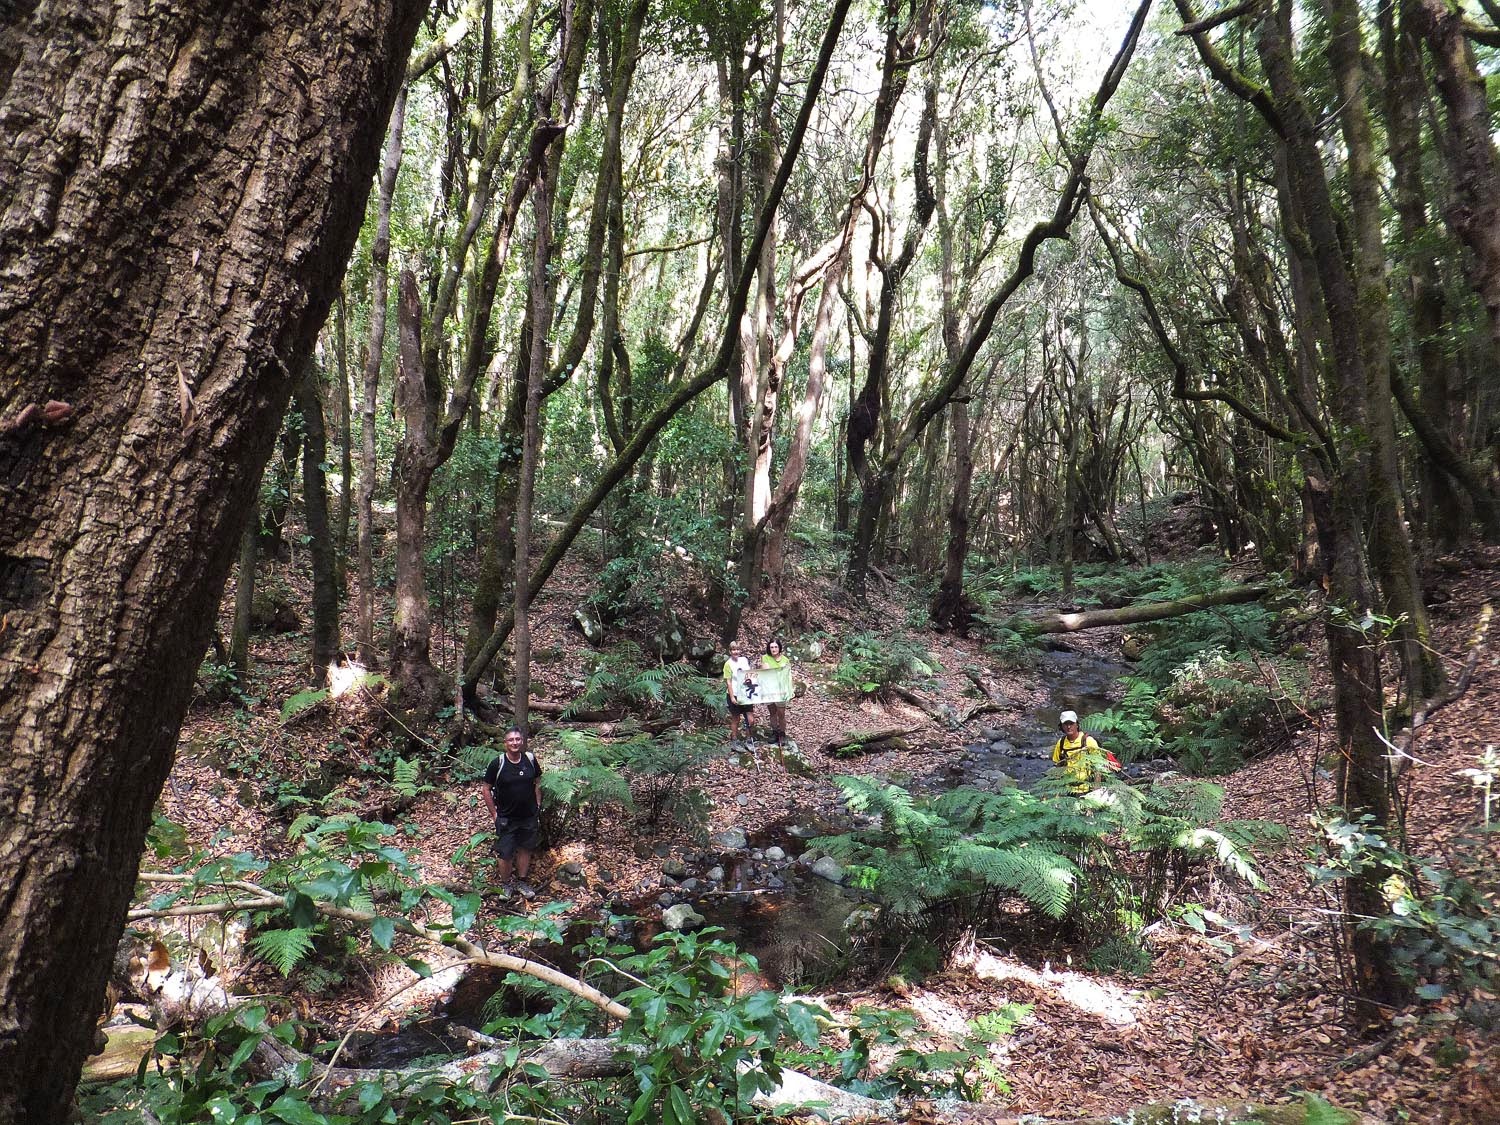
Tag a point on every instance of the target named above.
point(1252, 1009)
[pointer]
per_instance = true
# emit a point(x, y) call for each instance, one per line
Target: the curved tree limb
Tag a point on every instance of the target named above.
point(260, 899)
point(716, 372)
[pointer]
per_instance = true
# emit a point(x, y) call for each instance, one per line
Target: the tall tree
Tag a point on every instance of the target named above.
point(184, 186)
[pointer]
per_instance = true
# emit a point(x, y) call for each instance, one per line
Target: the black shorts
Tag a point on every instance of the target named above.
point(740, 708)
point(514, 834)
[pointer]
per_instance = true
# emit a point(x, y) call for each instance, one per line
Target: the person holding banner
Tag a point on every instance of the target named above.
point(736, 675)
point(777, 661)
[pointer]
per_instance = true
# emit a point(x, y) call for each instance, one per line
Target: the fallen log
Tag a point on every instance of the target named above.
point(867, 742)
point(1133, 614)
point(567, 1059)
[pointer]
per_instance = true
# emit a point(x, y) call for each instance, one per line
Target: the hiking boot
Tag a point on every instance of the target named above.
point(503, 893)
point(525, 890)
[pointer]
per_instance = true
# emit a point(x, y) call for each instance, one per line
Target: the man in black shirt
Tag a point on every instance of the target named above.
point(513, 793)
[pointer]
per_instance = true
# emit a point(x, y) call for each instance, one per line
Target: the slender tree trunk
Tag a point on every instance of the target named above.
point(1445, 512)
point(1473, 164)
point(948, 609)
point(178, 250)
point(380, 258)
point(345, 437)
point(325, 593)
point(244, 597)
point(542, 192)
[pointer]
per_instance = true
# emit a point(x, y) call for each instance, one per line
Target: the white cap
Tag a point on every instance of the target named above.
point(1067, 717)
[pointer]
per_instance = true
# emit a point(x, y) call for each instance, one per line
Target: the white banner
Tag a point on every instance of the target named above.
point(763, 685)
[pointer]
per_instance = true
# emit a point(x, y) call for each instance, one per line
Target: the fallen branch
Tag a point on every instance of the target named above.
point(981, 709)
point(939, 713)
point(1133, 614)
point(258, 898)
point(999, 701)
point(1403, 752)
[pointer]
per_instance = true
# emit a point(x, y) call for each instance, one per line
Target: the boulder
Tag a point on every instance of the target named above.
point(674, 868)
point(795, 762)
point(590, 624)
point(775, 854)
point(668, 639)
point(703, 654)
point(681, 918)
point(731, 839)
point(827, 868)
point(272, 612)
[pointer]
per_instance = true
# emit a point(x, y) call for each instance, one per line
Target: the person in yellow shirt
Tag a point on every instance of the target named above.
point(775, 658)
point(1077, 752)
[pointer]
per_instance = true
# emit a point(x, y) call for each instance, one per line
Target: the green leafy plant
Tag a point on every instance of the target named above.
point(873, 663)
point(302, 701)
point(622, 680)
point(1107, 859)
point(284, 949)
point(708, 1052)
point(1440, 920)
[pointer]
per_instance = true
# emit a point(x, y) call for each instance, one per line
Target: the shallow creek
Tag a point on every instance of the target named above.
point(770, 893)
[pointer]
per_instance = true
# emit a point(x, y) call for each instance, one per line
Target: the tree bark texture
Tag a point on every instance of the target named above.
point(184, 184)
point(1359, 701)
point(1469, 151)
point(416, 458)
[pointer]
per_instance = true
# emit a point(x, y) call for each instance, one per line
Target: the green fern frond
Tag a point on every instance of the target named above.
point(283, 948)
point(1229, 854)
point(404, 777)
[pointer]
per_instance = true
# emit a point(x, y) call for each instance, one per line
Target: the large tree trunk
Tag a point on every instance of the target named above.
point(1358, 693)
point(416, 453)
point(542, 192)
point(949, 610)
point(213, 160)
point(1390, 547)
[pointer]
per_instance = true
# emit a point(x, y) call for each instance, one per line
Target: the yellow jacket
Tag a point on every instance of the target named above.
point(1074, 753)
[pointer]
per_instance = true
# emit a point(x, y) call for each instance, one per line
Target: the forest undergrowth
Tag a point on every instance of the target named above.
point(1147, 975)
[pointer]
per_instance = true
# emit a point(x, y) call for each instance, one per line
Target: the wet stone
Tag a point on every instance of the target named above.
point(731, 839)
point(715, 875)
point(775, 854)
point(681, 917)
point(674, 869)
point(828, 868)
